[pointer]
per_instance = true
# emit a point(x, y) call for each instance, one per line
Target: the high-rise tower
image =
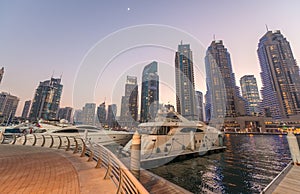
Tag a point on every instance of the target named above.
point(150, 92)
point(101, 113)
point(26, 109)
point(46, 100)
point(280, 76)
point(250, 93)
point(1, 74)
point(185, 85)
point(8, 106)
point(129, 106)
point(223, 93)
point(88, 114)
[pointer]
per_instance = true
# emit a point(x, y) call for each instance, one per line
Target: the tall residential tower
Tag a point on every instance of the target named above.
point(185, 85)
point(250, 93)
point(150, 92)
point(280, 76)
point(46, 100)
point(225, 100)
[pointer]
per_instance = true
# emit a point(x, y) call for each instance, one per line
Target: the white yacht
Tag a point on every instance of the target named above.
point(172, 135)
point(88, 133)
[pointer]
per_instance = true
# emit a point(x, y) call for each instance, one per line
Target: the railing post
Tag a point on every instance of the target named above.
point(99, 162)
point(25, 140)
point(83, 148)
point(68, 146)
point(91, 156)
point(135, 159)
point(76, 145)
point(108, 170)
point(60, 142)
point(294, 148)
point(14, 139)
point(34, 140)
point(52, 141)
point(120, 182)
point(2, 138)
point(43, 143)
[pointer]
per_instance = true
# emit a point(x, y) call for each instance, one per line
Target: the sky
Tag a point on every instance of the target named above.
point(94, 45)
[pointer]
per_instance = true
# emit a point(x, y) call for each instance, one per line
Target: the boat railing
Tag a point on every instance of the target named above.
point(124, 180)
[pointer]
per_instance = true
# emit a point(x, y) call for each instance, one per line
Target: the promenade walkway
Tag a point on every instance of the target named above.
point(290, 183)
point(29, 169)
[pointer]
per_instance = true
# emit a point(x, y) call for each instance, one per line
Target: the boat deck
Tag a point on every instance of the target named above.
point(158, 159)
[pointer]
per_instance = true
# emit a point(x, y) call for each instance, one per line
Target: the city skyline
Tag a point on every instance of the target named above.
point(37, 43)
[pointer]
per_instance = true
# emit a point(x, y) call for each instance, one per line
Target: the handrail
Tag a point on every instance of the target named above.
point(14, 139)
point(126, 182)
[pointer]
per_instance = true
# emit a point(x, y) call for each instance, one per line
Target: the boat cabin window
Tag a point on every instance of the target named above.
point(163, 130)
point(12, 130)
point(189, 129)
point(67, 131)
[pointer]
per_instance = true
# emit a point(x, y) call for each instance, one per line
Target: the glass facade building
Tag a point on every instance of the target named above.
point(149, 93)
point(185, 85)
point(280, 76)
point(46, 100)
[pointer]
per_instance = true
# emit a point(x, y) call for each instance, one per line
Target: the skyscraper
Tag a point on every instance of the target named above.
point(250, 93)
point(129, 107)
point(199, 105)
point(1, 74)
point(225, 100)
point(185, 85)
point(111, 115)
point(101, 113)
point(65, 113)
point(88, 114)
point(26, 109)
point(78, 117)
point(8, 106)
point(150, 92)
point(280, 76)
point(46, 100)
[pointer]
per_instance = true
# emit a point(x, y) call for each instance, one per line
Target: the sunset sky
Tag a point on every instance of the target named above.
point(99, 43)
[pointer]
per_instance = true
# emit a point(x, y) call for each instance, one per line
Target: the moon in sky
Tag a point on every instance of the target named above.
point(128, 9)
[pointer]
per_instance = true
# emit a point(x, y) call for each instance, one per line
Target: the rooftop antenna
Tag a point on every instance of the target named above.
point(267, 28)
point(181, 42)
point(214, 37)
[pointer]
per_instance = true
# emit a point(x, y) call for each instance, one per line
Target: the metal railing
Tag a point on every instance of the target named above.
point(124, 180)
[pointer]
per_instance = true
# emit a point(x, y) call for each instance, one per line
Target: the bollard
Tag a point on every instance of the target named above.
point(294, 148)
point(135, 158)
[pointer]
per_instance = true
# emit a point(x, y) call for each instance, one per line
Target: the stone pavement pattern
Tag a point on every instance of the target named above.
point(26, 169)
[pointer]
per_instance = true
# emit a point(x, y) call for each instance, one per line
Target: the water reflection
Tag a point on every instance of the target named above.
point(247, 166)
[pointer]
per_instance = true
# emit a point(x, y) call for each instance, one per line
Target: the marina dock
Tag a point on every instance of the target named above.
point(288, 181)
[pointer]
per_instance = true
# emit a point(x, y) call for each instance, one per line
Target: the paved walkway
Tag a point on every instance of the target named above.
point(26, 169)
point(290, 183)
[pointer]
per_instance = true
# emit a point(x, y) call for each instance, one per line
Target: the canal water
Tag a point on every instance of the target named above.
point(248, 165)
